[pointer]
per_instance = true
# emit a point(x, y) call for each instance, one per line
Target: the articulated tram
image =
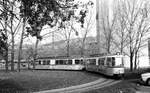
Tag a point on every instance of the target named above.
point(61, 63)
point(108, 65)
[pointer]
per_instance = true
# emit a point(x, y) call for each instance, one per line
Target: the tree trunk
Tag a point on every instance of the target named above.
point(131, 61)
point(12, 53)
point(121, 50)
point(35, 53)
point(20, 46)
point(135, 60)
point(68, 48)
point(108, 46)
point(82, 48)
point(13, 44)
point(6, 42)
point(6, 59)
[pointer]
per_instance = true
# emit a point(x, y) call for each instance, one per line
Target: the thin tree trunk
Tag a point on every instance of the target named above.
point(12, 53)
point(131, 61)
point(12, 41)
point(82, 48)
point(20, 46)
point(135, 60)
point(68, 48)
point(35, 53)
point(108, 46)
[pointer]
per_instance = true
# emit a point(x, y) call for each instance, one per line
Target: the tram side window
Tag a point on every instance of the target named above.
point(77, 61)
point(81, 61)
point(92, 61)
point(44, 62)
point(69, 62)
point(113, 61)
point(109, 62)
point(60, 62)
point(65, 62)
point(57, 61)
point(48, 62)
point(39, 62)
point(101, 61)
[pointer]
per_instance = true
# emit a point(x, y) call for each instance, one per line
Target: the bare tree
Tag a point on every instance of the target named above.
point(108, 23)
point(133, 27)
point(13, 29)
point(11, 24)
point(66, 33)
point(23, 35)
point(85, 30)
point(29, 56)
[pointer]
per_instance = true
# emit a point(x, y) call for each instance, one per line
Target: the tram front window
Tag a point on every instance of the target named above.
point(77, 61)
point(117, 62)
point(109, 61)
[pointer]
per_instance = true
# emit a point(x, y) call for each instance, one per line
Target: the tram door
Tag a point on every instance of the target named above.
point(102, 65)
point(92, 64)
point(52, 62)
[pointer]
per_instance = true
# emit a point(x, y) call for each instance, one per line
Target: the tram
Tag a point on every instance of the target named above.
point(60, 63)
point(107, 65)
point(111, 65)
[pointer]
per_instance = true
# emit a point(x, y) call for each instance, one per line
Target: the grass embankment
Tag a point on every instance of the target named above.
point(28, 81)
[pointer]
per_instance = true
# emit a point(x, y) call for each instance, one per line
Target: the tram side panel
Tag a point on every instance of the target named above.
point(91, 64)
point(60, 64)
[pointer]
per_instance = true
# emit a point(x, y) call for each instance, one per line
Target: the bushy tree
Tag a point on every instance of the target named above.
point(39, 13)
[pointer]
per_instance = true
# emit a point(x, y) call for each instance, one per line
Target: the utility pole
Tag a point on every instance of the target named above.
point(149, 49)
point(98, 25)
point(53, 40)
point(53, 44)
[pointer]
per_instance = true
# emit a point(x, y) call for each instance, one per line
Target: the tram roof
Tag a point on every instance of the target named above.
point(78, 57)
point(59, 57)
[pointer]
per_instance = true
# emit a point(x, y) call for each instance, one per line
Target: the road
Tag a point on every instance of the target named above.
point(100, 83)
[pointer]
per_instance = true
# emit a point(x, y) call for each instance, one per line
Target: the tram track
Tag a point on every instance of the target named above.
point(100, 83)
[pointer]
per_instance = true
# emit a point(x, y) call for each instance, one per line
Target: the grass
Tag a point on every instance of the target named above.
point(38, 80)
point(42, 80)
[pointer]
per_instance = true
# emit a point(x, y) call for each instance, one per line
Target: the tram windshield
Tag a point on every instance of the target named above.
point(114, 62)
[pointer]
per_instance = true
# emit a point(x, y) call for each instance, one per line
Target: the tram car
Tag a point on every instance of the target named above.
point(107, 65)
point(60, 63)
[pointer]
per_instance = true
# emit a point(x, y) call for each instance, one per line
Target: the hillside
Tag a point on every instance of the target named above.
point(59, 48)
